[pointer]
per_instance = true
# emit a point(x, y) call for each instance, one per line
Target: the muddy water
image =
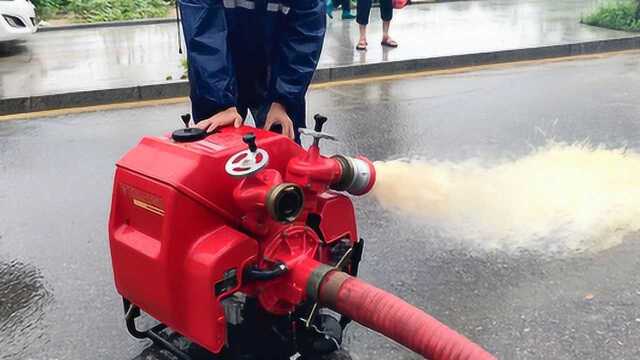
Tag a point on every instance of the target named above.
point(560, 199)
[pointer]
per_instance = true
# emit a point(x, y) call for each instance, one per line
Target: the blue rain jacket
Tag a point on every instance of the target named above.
point(250, 53)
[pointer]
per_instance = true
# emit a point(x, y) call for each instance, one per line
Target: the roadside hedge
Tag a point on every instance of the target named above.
point(618, 15)
point(104, 10)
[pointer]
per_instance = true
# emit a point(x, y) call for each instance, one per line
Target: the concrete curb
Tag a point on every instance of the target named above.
point(486, 58)
point(180, 88)
point(107, 24)
point(165, 90)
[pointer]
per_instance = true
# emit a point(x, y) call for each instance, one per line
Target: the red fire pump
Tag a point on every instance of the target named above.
point(243, 242)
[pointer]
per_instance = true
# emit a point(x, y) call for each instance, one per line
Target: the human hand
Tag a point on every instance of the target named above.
point(223, 118)
point(278, 116)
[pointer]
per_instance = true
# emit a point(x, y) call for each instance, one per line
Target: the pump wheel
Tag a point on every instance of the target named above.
point(246, 163)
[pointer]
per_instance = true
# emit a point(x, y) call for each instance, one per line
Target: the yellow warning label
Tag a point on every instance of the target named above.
point(154, 209)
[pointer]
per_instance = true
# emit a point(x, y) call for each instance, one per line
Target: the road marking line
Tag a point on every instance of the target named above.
point(472, 68)
point(324, 85)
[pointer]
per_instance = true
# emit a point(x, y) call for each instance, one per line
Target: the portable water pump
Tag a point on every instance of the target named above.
point(246, 244)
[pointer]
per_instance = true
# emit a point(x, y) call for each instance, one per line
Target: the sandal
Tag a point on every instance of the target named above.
point(362, 46)
point(388, 42)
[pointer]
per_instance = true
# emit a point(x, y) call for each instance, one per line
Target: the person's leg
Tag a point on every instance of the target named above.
point(362, 41)
point(261, 105)
point(385, 29)
point(329, 5)
point(297, 115)
point(346, 10)
point(386, 13)
point(364, 9)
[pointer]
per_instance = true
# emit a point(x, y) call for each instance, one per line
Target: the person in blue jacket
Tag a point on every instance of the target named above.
point(252, 55)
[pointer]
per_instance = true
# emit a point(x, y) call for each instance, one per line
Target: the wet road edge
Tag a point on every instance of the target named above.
point(180, 88)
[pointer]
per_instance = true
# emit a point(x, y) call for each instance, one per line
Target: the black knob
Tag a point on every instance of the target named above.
point(250, 139)
point(320, 120)
point(186, 118)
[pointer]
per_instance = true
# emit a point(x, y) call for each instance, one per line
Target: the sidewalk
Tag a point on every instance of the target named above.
point(59, 62)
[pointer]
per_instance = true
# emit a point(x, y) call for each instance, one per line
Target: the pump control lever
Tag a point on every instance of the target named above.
point(250, 139)
point(320, 120)
point(186, 118)
point(317, 133)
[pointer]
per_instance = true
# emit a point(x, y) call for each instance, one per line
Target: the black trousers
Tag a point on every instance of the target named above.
point(364, 9)
point(346, 5)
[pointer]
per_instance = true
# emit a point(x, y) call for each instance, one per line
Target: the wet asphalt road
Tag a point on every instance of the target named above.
point(56, 293)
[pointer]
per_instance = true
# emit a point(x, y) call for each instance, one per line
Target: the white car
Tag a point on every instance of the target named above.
point(17, 19)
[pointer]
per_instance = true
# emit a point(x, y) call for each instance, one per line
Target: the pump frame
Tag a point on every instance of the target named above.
point(154, 333)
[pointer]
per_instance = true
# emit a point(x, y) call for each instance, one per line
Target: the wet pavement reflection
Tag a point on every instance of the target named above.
point(99, 58)
point(56, 178)
point(24, 298)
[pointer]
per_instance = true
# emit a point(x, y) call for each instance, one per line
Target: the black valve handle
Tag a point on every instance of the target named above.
point(320, 120)
point(186, 118)
point(250, 139)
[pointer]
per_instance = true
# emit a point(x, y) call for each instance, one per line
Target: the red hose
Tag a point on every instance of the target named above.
point(396, 319)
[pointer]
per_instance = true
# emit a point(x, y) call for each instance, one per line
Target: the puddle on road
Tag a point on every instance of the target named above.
point(23, 299)
point(560, 199)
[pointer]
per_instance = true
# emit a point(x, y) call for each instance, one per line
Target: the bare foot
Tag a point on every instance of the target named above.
point(388, 41)
point(362, 45)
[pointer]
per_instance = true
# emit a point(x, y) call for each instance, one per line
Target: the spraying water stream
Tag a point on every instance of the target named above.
point(561, 198)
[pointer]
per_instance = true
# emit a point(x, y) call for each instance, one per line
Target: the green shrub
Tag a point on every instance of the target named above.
point(619, 15)
point(110, 10)
point(48, 8)
point(49, 3)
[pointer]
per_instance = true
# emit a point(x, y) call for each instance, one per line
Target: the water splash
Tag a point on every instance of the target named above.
point(560, 199)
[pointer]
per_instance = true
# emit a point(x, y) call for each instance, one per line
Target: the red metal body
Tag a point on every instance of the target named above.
point(180, 226)
point(195, 222)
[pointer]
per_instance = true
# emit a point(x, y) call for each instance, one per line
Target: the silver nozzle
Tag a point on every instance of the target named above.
point(358, 175)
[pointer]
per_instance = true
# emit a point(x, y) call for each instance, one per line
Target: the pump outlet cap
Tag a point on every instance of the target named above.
point(358, 175)
point(188, 135)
